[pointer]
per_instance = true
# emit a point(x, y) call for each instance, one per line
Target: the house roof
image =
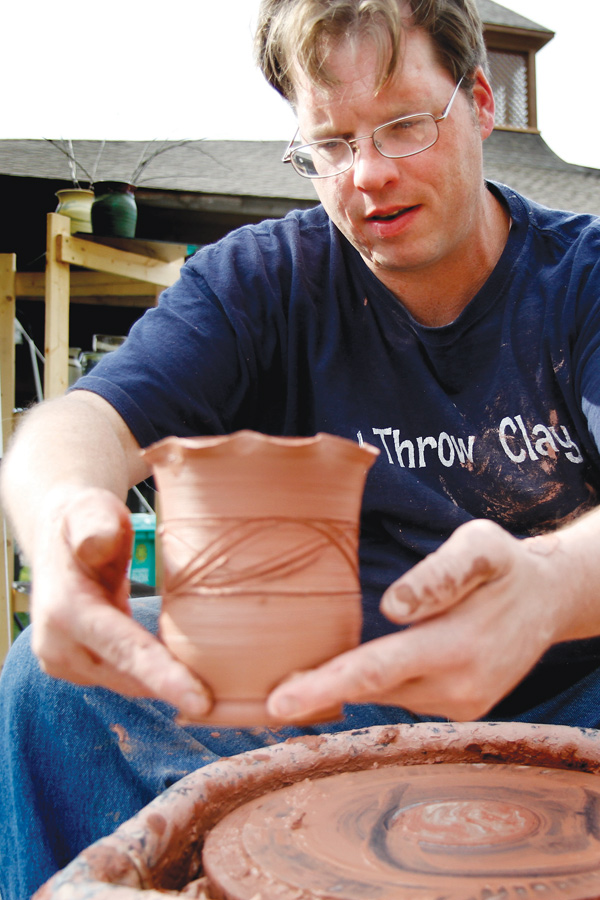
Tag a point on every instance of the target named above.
point(247, 177)
point(525, 162)
point(237, 169)
point(495, 14)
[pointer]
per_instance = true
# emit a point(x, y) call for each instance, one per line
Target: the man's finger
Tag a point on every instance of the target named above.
point(360, 675)
point(100, 540)
point(476, 554)
point(108, 648)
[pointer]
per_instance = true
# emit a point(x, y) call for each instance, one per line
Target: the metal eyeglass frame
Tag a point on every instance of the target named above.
point(290, 150)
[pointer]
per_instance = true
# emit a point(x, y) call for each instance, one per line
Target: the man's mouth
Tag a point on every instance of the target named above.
point(392, 216)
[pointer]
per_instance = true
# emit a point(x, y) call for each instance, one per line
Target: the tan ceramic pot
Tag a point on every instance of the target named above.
point(546, 839)
point(76, 204)
point(259, 546)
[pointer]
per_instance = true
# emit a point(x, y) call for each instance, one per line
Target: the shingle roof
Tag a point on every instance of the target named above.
point(496, 14)
point(214, 167)
point(526, 163)
point(254, 169)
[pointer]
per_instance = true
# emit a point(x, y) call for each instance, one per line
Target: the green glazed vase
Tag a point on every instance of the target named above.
point(114, 211)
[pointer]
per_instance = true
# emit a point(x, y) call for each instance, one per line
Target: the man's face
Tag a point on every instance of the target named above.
point(403, 215)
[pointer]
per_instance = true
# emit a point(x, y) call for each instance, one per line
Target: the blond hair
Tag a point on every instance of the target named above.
point(298, 33)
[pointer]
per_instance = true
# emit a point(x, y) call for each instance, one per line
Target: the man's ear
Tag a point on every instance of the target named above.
point(483, 98)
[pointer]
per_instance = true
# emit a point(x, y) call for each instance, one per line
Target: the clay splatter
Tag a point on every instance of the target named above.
point(124, 742)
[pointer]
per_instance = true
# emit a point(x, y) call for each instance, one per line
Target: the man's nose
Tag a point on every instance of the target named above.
point(372, 171)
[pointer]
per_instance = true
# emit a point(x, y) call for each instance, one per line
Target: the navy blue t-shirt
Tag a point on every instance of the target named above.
point(281, 327)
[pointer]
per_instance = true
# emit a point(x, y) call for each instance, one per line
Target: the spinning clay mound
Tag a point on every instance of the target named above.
point(434, 811)
point(463, 831)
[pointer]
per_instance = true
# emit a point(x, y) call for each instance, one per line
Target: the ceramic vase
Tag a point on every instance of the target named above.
point(76, 204)
point(259, 546)
point(114, 210)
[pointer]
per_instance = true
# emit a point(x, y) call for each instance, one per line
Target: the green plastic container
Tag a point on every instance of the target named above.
point(143, 557)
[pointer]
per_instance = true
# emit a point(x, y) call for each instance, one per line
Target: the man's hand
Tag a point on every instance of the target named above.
point(82, 627)
point(482, 609)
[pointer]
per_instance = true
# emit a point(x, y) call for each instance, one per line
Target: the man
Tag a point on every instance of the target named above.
point(447, 320)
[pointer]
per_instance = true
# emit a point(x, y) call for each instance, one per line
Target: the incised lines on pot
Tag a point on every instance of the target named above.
point(246, 553)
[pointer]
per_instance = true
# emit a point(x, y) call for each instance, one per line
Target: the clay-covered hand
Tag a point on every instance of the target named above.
point(482, 610)
point(82, 627)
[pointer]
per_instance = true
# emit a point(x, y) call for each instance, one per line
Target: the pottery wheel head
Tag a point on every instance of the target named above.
point(460, 831)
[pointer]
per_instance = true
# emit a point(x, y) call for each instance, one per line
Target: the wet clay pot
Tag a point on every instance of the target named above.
point(539, 842)
point(259, 545)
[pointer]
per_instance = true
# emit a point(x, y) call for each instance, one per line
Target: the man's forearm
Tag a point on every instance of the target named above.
point(61, 447)
point(64, 482)
point(573, 558)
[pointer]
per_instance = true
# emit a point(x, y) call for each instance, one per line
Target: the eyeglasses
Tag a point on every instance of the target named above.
point(401, 137)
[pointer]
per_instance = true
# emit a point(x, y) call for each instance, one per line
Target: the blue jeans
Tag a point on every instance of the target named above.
point(77, 761)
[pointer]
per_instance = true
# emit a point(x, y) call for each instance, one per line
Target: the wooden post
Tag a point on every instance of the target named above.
point(8, 267)
point(8, 270)
point(56, 342)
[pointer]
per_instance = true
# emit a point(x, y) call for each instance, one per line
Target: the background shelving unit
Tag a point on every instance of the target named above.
point(111, 271)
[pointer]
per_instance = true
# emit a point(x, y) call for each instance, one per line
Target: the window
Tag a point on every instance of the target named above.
point(508, 75)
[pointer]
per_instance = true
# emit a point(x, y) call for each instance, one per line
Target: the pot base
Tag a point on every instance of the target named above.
point(250, 713)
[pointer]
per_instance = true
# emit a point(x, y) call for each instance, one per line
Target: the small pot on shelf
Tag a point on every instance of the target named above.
point(76, 204)
point(114, 210)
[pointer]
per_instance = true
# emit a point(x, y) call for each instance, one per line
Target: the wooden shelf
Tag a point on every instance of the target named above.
point(153, 263)
point(117, 271)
